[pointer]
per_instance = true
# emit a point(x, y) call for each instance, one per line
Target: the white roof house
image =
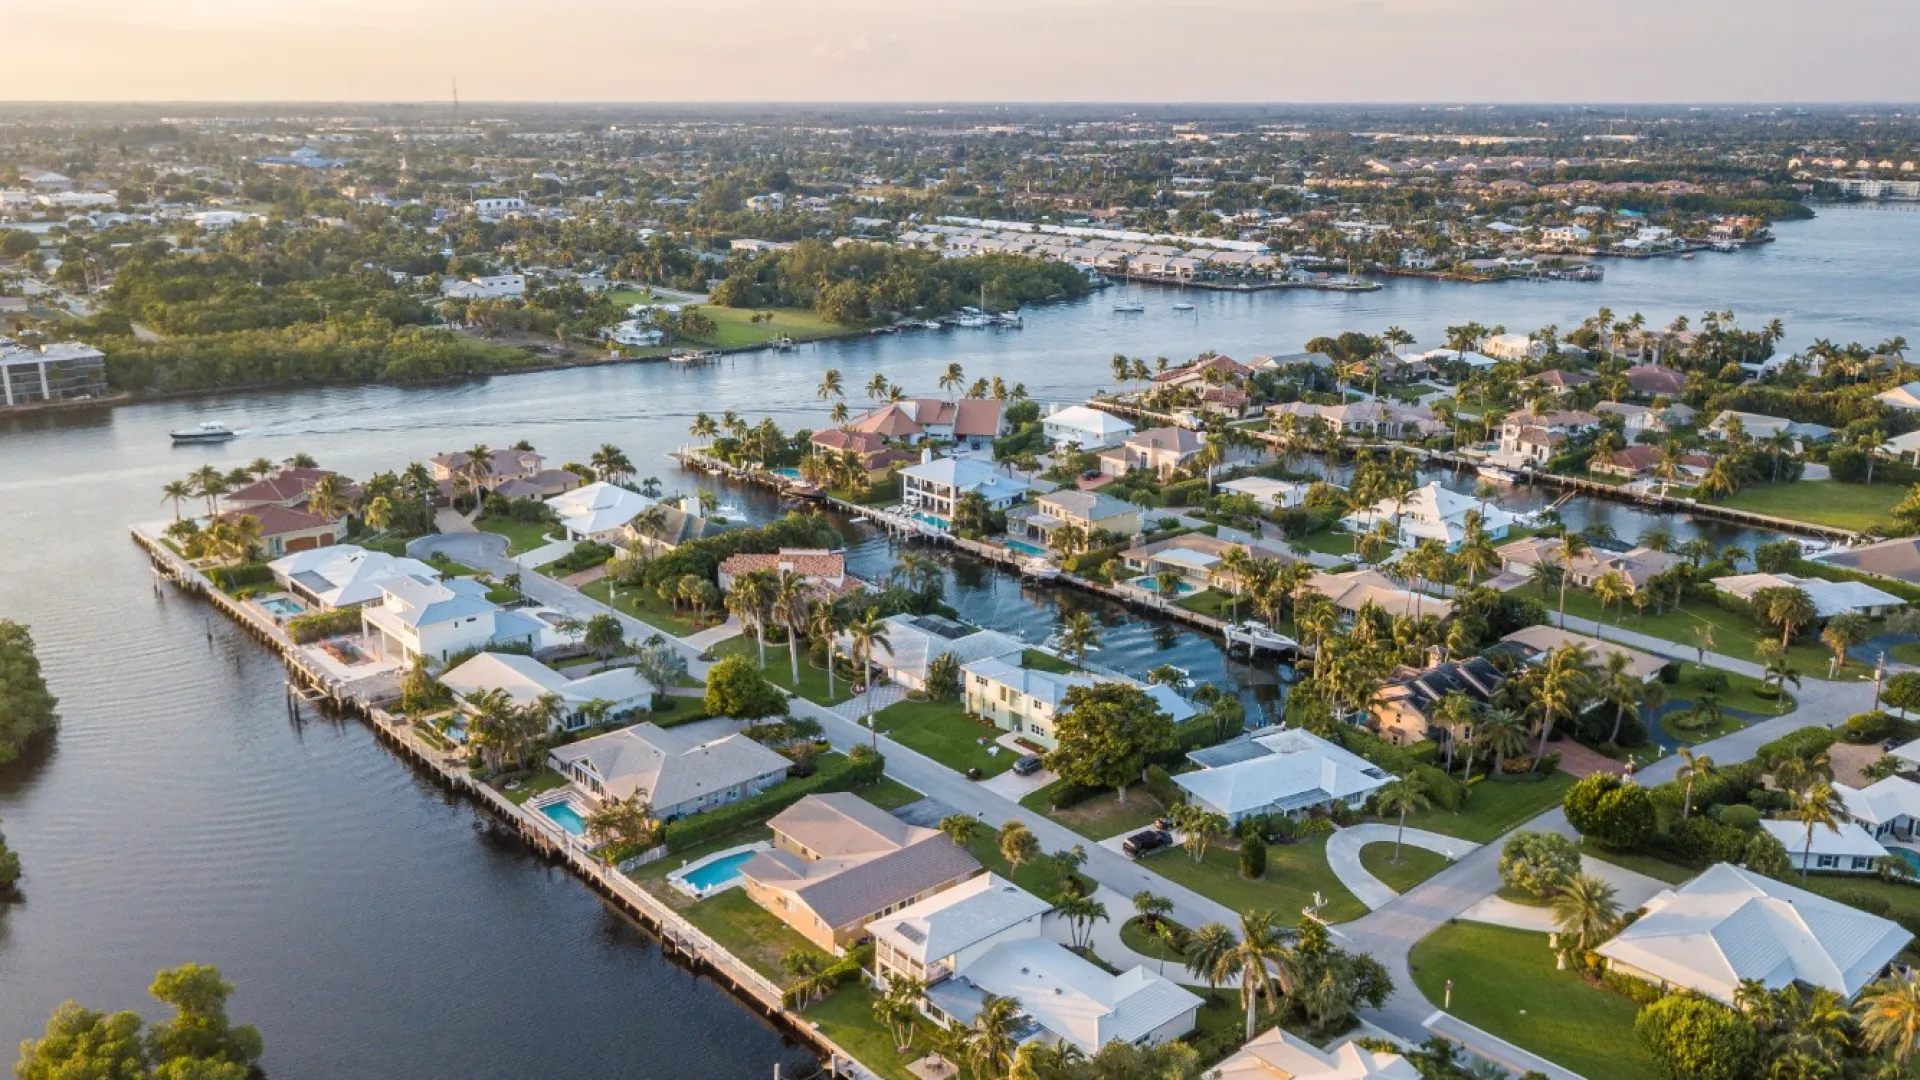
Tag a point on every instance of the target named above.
point(936, 485)
point(1278, 1055)
point(1272, 494)
point(1093, 429)
point(1432, 512)
point(1730, 924)
point(1283, 771)
point(1079, 1003)
point(1829, 598)
point(1846, 849)
point(1885, 806)
point(418, 616)
point(1906, 397)
point(674, 774)
point(914, 641)
point(526, 680)
point(343, 575)
point(938, 935)
point(597, 510)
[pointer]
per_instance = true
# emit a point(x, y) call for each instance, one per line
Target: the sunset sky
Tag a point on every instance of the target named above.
point(971, 50)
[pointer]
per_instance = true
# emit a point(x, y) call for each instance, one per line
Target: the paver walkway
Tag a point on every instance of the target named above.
point(1343, 854)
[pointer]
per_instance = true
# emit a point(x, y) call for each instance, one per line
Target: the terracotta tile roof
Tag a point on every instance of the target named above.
point(977, 417)
point(889, 420)
point(288, 486)
point(812, 564)
point(278, 520)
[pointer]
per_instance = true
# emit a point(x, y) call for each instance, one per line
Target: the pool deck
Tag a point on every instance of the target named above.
point(678, 878)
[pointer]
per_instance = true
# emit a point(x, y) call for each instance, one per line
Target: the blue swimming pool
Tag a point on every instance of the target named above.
point(717, 873)
point(1025, 548)
point(1147, 582)
point(1907, 855)
point(564, 815)
point(283, 607)
point(791, 474)
point(928, 520)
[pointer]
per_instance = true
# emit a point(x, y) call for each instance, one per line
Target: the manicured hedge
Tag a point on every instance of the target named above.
point(324, 624)
point(229, 578)
point(1804, 743)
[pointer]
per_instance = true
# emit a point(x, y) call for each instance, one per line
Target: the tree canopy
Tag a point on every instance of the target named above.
point(26, 708)
point(1106, 733)
point(198, 1042)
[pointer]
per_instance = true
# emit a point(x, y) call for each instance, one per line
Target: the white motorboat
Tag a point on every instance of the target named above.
point(1259, 637)
point(1497, 474)
point(1129, 307)
point(1183, 306)
point(1038, 568)
point(206, 431)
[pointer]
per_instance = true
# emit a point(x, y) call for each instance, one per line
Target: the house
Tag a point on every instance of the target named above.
point(940, 936)
point(1556, 379)
point(1534, 436)
point(343, 575)
point(1843, 849)
point(1383, 419)
point(1162, 451)
point(290, 488)
point(935, 486)
point(892, 421)
point(1757, 426)
point(838, 863)
point(1280, 1055)
point(1729, 925)
point(597, 511)
point(1270, 494)
point(544, 484)
point(64, 371)
point(1512, 347)
point(823, 571)
point(970, 422)
point(1090, 429)
point(283, 531)
point(1068, 999)
point(1089, 511)
point(496, 287)
point(1830, 598)
point(525, 680)
point(1905, 397)
point(1896, 560)
point(418, 616)
point(876, 458)
point(1025, 701)
point(1530, 644)
point(1633, 461)
point(1889, 807)
point(914, 641)
point(1404, 706)
point(1288, 771)
point(1903, 448)
point(1652, 380)
point(1432, 512)
point(668, 770)
point(502, 465)
point(1636, 419)
point(1355, 589)
point(1221, 370)
point(1635, 566)
point(1196, 557)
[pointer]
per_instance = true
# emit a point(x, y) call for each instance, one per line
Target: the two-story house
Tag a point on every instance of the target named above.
point(1163, 451)
point(436, 619)
point(935, 486)
point(1088, 511)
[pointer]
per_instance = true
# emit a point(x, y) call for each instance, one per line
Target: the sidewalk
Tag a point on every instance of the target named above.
point(1343, 855)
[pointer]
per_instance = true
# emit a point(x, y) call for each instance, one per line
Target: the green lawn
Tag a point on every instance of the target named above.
point(1494, 808)
point(779, 669)
point(942, 731)
point(522, 536)
point(453, 567)
point(1505, 983)
point(1135, 936)
point(847, 1018)
point(544, 780)
point(749, 932)
point(1294, 873)
point(1044, 661)
point(1415, 866)
point(1210, 602)
point(1641, 862)
point(1822, 502)
point(653, 876)
point(1330, 542)
point(1101, 816)
point(1733, 635)
point(1904, 898)
point(1042, 881)
point(888, 794)
point(645, 605)
point(735, 326)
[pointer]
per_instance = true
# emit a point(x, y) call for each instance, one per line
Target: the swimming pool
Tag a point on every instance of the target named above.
point(282, 607)
point(791, 474)
point(718, 873)
point(1147, 582)
point(1025, 548)
point(1908, 856)
point(565, 815)
point(929, 520)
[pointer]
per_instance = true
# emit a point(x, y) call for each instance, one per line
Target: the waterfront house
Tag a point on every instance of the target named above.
point(343, 575)
point(1843, 849)
point(1216, 370)
point(1635, 566)
point(672, 773)
point(823, 571)
point(1512, 347)
point(1403, 707)
point(1830, 598)
point(876, 458)
point(1888, 808)
point(933, 939)
point(1905, 397)
point(1090, 511)
point(1162, 451)
point(1533, 437)
point(63, 371)
point(289, 488)
point(1281, 1055)
point(914, 641)
point(418, 616)
point(970, 422)
point(1089, 428)
point(1196, 557)
point(1558, 379)
point(284, 530)
point(1288, 771)
point(1270, 494)
point(525, 680)
point(934, 486)
point(455, 470)
point(1637, 419)
point(544, 484)
point(1432, 512)
point(598, 511)
point(1630, 462)
point(1758, 426)
point(1729, 925)
point(1026, 701)
point(892, 422)
point(838, 863)
point(1355, 589)
point(1382, 419)
point(1896, 560)
point(1530, 644)
point(1652, 380)
point(1066, 998)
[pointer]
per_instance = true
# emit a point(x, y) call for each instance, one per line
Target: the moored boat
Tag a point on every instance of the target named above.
point(1497, 474)
point(1259, 637)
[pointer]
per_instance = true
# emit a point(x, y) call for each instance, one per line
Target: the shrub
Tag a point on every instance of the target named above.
point(1867, 727)
point(1444, 790)
point(1803, 744)
point(229, 578)
point(1638, 990)
point(1611, 812)
point(737, 688)
point(1315, 826)
point(1538, 863)
point(1161, 786)
point(585, 556)
point(1700, 841)
point(323, 624)
point(943, 677)
point(1739, 816)
point(1865, 901)
point(1253, 858)
point(1694, 1037)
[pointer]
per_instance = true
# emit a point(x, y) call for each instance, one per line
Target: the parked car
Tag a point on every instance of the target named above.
point(1027, 765)
point(1145, 842)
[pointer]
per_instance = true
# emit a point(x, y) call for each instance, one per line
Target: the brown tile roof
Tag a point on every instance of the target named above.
point(860, 442)
point(289, 485)
point(1639, 458)
point(812, 564)
point(278, 520)
point(890, 420)
point(977, 417)
point(1650, 379)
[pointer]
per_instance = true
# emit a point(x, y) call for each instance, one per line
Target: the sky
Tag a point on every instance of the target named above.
point(960, 50)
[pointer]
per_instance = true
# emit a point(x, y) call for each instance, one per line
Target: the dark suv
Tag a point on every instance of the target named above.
point(1027, 765)
point(1145, 842)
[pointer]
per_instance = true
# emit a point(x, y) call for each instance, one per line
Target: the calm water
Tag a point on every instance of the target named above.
point(376, 927)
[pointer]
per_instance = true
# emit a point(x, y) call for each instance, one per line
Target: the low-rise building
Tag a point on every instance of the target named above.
point(1027, 701)
point(290, 488)
point(1367, 418)
point(1404, 709)
point(284, 531)
point(839, 862)
point(1355, 589)
point(343, 575)
point(1288, 771)
point(421, 617)
point(1533, 437)
point(1432, 512)
point(1830, 598)
point(1652, 380)
point(1635, 567)
point(1068, 999)
point(525, 681)
point(1196, 557)
point(935, 486)
point(1530, 644)
point(1759, 426)
point(1270, 494)
point(1162, 451)
point(870, 450)
point(821, 570)
point(939, 936)
point(1089, 511)
point(914, 641)
point(501, 466)
point(1087, 428)
point(1887, 808)
point(598, 511)
point(496, 287)
point(65, 371)
point(1845, 848)
point(671, 773)
point(1280, 1055)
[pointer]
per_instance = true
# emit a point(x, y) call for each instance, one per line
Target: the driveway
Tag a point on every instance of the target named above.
point(1343, 855)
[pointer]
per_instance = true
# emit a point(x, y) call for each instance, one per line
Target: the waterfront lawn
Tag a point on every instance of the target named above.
point(942, 731)
point(544, 780)
point(1733, 635)
point(779, 669)
point(1415, 866)
point(1494, 808)
point(888, 794)
point(1505, 983)
point(1044, 661)
point(1294, 873)
point(1209, 602)
point(522, 536)
point(734, 327)
point(645, 605)
point(847, 1018)
point(1101, 816)
point(750, 932)
point(1823, 502)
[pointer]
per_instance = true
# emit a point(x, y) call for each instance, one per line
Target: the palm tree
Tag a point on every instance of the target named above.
point(1561, 686)
point(1505, 734)
point(178, 491)
point(952, 378)
point(1572, 546)
point(866, 632)
point(747, 601)
point(1207, 950)
point(1401, 797)
point(1263, 961)
point(789, 607)
point(1693, 766)
point(703, 428)
point(1789, 609)
point(1843, 632)
point(1018, 845)
point(1814, 806)
point(1455, 713)
point(1078, 633)
point(989, 1040)
point(1151, 907)
point(478, 469)
point(898, 1008)
point(830, 385)
point(1586, 907)
point(877, 386)
point(209, 484)
point(610, 463)
point(823, 626)
point(960, 828)
point(1610, 588)
point(1890, 1015)
point(1233, 565)
point(1625, 691)
point(325, 498)
point(379, 513)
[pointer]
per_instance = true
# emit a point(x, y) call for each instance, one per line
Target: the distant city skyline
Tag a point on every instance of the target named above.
point(1626, 51)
